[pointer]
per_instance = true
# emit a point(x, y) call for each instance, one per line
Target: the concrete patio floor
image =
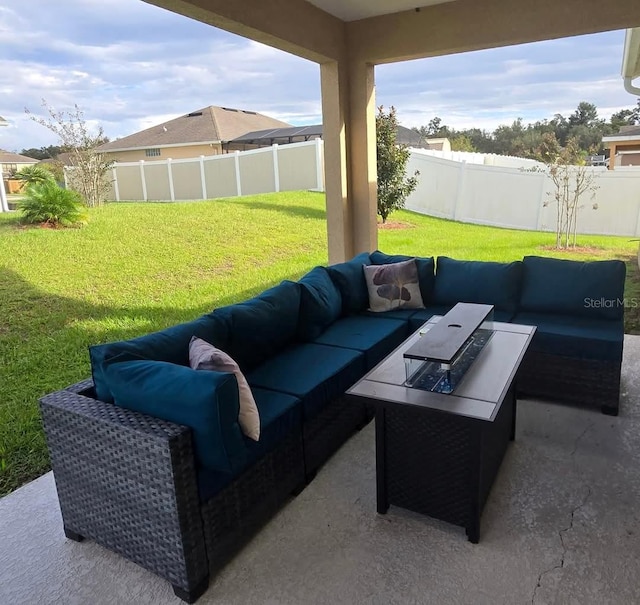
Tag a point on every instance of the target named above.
point(561, 526)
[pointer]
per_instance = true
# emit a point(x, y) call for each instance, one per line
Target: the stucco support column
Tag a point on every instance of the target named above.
point(349, 133)
point(361, 147)
point(335, 107)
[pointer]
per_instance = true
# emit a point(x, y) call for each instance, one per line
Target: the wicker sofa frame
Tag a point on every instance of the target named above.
point(128, 482)
point(583, 382)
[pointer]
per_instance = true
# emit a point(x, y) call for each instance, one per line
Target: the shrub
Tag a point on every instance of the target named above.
point(49, 204)
point(31, 175)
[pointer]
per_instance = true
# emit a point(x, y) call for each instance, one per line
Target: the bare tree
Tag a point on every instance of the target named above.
point(89, 168)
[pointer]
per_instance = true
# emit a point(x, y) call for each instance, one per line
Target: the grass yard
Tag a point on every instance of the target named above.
point(142, 267)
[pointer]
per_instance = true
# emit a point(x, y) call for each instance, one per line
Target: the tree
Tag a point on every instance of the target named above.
point(48, 204)
point(393, 184)
point(88, 172)
point(571, 180)
point(44, 153)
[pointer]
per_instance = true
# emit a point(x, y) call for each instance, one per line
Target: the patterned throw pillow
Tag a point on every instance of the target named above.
point(204, 356)
point(393, 286)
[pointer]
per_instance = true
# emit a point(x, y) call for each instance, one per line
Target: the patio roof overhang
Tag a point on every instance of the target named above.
point(349, 37)
point(631, 60)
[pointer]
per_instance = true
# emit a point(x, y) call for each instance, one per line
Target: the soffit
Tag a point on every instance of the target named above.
point(353, 10)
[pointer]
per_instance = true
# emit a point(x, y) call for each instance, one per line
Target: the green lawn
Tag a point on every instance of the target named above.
point(141, 267)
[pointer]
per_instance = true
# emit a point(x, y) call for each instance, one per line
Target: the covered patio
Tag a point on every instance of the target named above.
point(561, 526)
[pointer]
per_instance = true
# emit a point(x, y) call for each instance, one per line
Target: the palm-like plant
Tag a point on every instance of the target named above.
point(49, 204)
point(32, 175)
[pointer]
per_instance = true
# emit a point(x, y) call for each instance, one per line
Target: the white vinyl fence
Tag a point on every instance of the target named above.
point(513, 197)
point(266, 170)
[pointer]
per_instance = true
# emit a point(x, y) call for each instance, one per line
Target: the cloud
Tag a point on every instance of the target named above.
point(129, 74)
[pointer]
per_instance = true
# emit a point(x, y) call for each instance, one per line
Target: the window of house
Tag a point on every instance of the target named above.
point(152, 153)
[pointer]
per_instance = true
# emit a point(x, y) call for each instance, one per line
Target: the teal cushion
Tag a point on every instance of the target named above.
point(578, 337)
point(262, 326)
point(320, 303)
point(481, 282)
point(376, 338)
point(280, 418)
point(205, 401)
point(403, 314)
point(171, 345)
point(349, 278)
point(314, 373)
point(588, 289)
point(425, 267)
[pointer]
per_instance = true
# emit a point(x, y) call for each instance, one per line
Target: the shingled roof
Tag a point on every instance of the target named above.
point(208, 125)
point(6, 157)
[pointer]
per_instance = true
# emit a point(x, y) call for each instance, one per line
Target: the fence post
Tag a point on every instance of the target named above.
point(4, 204)
point(116, 189)
point(319, 175)
point(543, 182)
point(203, 180)
point(144, 182)
point(170, 172)
point(276, 168)
point(461, 183)
point(236, 155)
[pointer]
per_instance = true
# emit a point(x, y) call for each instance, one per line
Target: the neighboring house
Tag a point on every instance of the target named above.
point(624, 147)
point(202, 132)
point(12, 162)
point(298, 134)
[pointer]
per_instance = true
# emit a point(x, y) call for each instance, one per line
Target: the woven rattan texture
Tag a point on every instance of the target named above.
point(429, 459)
point(580, 381)
point(329, 429)
point(127, 481)
point(234, 515)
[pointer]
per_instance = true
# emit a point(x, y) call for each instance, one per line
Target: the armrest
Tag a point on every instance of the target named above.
point(126, 480)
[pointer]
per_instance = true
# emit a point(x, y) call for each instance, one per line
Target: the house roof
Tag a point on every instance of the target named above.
point(6, 157)
point(627, 133)
point(207, 125)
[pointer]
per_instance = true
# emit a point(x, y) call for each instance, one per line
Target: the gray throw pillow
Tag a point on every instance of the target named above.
point(393, 286)
point(204, 356)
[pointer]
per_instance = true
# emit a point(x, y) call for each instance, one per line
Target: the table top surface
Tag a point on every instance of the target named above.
point(479, 394)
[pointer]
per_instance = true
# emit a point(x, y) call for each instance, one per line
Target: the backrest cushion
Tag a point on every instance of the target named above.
point(170, 345)
point(349, 279)
point(482, 282)
point(320, 304)
point(586, 289)
point(204, 356)
point(393, 286)
point(426, 267)
point(262, 326)
point(207, 402)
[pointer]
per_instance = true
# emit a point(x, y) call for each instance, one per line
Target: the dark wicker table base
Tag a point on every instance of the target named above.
point(438, 464)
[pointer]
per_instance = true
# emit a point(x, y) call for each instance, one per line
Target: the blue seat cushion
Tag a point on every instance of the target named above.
point(481, 282)
point(320, 303)
point(422, 315)
point(588, 289)
point(374, 337)
point(314, 373)
point(425, 266)
point(205, 401)
point(403, 314)
point(576, 337)
point(170, 345)
point(349, 279)
point(280, 417)
point(262, 326)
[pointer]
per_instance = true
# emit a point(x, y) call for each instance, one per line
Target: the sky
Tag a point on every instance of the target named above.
point(127, 74)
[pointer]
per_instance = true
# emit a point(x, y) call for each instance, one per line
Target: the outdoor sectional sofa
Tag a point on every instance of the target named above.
point(148, 456)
